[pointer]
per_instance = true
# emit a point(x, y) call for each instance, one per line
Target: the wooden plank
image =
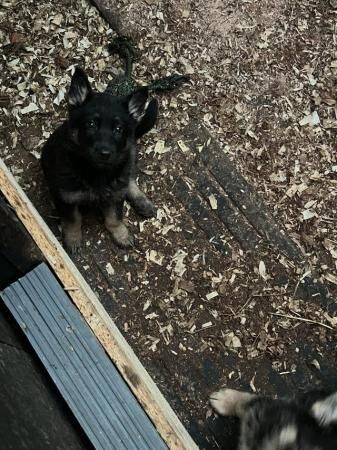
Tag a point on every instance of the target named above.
point(84, 374)
point(140, 382)
point(240, 191)
point(201, 214)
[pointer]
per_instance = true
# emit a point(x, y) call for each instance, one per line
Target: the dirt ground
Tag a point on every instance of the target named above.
point(263, 83)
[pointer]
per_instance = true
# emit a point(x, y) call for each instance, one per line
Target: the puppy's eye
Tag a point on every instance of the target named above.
point(117, 129)
point(92, 123)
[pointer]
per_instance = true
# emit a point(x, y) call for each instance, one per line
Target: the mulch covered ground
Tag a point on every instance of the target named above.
point(263, 84)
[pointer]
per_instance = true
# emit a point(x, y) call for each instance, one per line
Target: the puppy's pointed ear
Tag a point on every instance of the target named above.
point(80, 89)
point(136, 103)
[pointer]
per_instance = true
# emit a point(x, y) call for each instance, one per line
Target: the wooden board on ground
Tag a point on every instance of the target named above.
point(153, 402)
point(85, 376)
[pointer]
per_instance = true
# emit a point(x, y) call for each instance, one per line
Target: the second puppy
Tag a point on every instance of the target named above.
point(308, 423)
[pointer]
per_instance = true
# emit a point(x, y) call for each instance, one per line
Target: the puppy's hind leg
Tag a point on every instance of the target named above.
point(114, 223)
point(229, 402)
point(138, 200)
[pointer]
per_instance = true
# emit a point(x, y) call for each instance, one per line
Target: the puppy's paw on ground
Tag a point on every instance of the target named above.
point(144, 207)
point(225, 401)
point(121, 236)
point(72, 244)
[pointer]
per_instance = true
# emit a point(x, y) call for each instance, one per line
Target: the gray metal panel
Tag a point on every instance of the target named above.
point(89, 382)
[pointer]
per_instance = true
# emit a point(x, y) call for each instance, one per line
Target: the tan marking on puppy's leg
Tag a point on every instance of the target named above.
point(117, 228)
point(133, 189)
point(72, 231)
point(229, 402)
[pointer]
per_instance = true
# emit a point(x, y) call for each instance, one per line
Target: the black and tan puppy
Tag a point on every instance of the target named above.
point(308, 423)
point(90, 159)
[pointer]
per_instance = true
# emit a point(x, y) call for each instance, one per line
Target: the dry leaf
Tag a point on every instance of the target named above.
point(311, 119)
point(30, 108)
point(331, 278)
point(232, 341)
point(183, 146)
point(155, 257)
point(151, 316)
point(332, 320)
point(147, 304)
point(212, 295)
point(262, 270)
point(316, 364)
point(213, 201)
point(178, 258)
point(307, 214)
point(110, 269)
point(160, 148)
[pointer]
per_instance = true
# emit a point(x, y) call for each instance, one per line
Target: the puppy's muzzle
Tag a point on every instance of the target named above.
point(104, 153)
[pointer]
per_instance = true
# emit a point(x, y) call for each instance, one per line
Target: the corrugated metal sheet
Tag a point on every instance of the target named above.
point(87, 379)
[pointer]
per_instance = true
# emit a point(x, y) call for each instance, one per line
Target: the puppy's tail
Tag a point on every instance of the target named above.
point(168, 83)
point(124, 47)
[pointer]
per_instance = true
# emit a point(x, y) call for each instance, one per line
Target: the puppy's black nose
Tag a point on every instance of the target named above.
point(104, 152)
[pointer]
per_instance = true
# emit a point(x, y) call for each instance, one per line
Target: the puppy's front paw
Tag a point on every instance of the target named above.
point(121, 235)
point(144, 207)
point(226, 402)
point(72, 244)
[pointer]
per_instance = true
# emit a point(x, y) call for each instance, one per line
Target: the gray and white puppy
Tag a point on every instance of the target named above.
point(308, 423)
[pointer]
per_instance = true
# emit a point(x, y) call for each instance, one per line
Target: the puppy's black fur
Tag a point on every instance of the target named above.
point(309, 423)
point(90, 159)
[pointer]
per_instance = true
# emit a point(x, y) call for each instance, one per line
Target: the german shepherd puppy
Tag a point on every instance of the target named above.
point(91, 159)
point(309, 423)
